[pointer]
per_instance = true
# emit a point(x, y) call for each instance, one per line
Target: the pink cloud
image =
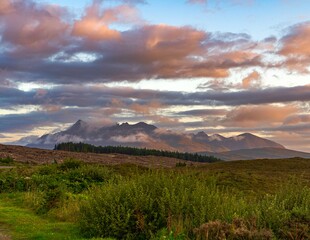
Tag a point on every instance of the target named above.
point(95, 23)
point(28, 27)
point(252, 80)
point(296, 49)
point(5, 7)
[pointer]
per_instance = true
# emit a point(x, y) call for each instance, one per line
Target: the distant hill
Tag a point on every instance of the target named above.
point(144, 135)
point(43, 156)
point(258, 153)
point(88, 148)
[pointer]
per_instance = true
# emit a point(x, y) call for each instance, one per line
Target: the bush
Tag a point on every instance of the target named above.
point(52, 184)
point(11, 181)
point(7, 160)
point(69, 164)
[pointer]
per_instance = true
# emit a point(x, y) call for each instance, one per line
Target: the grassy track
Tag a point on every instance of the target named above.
point(21, 223)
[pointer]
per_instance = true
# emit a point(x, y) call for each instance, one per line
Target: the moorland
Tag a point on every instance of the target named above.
point(79, 199)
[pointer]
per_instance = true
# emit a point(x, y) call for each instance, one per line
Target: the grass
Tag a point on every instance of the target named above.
point(22, 223)
point(6, 161)
point(183, 201)
point(264, 199)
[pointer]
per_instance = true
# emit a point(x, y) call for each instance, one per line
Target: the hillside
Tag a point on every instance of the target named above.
point(258, 153)
point(43, 156)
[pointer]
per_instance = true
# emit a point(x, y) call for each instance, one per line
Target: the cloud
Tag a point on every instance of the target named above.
point(253, 116)
point(297, 119)
point(203, 112)
point(253, 80)
point(2, 136)
point(94, 25)
point(139, 137)
point(32, 29)
point(143, 100)
point(146, 109)
point(43, 45)
point(5, 7)
point(295, 42)
point(295, 47)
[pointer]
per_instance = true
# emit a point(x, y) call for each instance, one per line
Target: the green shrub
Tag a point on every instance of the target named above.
point(7, 160)
point(70, 163)
point(11, 181)
point(51, 184)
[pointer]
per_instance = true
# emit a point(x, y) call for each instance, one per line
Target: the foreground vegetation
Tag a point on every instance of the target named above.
point(85, 147)
point(237, 200)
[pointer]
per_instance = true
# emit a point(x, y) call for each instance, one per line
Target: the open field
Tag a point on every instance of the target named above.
point(259, 199)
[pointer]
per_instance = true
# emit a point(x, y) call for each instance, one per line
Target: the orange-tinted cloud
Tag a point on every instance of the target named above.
point(5, 7)
point(91, 29)
point(92, 24)
point(296, 48)
point(50, 41)
point(254, 116)
point(296, 43)
point(95, 23)
point(252, 80)
point(146, 109)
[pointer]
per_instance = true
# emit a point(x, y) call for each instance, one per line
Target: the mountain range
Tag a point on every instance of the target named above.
point(149, 136)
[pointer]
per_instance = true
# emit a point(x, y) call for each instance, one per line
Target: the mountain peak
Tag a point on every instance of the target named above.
point(216, 137)
point(144, 125)
point(202, 134)
point(138, 127)
point(247, 135)
point(80, 125)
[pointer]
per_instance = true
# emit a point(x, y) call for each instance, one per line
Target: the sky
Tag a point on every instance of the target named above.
point(221, 66)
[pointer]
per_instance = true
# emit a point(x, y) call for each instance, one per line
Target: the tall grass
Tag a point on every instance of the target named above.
point(141, 207)
point(128, 202)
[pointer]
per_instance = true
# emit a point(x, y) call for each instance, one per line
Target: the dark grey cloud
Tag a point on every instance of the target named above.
point(14, 123)
point(299, 128)
point(203, 112)
point(94, 96)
